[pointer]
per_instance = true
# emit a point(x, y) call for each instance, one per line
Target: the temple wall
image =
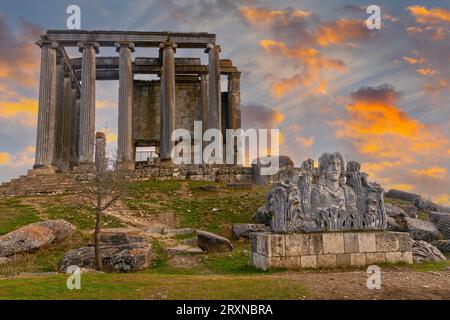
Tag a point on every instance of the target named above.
point(146, 108)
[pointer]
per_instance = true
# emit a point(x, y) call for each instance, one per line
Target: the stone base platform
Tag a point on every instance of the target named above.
point(330, 249)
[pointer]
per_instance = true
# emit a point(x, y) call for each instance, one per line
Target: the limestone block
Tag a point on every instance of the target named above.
point(386, 241)
point(297, 244)
point(407, 257)
point(290, 262)
point(308, 261)
point(357, 259)
point(375, 257)
point(333, 242)
point(259, 261)
point(326, 260)
point(351, 242)
point(343, 259)
point(366, 242)
point(316, 244)
point(394, 257)
point(404, 241)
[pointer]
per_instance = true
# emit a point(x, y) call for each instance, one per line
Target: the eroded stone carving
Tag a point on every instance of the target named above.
point(332, 197)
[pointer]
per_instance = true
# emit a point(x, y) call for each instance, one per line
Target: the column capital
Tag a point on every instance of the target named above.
point(169, 44)
point(82, 45)
point(47, 44)
point(210, 46)
point(125, 44)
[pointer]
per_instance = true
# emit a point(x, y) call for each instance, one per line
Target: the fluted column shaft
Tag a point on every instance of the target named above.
point(234, 100)
point(215, 119)
point(87, 108)
point(204, 94)
point(125, 142)
point(167, 99)
point(47, 103)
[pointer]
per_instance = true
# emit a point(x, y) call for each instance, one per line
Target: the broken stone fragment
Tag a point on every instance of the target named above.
point(423, 251)
point(34, 236)
point(122, 258)
point(243, 230)
point(211, 242)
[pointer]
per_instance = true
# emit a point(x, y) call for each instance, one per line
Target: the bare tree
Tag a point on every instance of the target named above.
point(100, 185)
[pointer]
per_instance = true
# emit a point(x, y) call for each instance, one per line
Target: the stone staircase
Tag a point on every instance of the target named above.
point(39, 183)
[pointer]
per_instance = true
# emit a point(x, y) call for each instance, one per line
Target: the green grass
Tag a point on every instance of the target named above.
point(431, 266)
point(14, 215)
point(82, 218)
point(396, 201)
point(153, 286)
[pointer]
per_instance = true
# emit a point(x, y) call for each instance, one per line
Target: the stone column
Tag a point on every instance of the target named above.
point(74, 97)
point(234, 99)
point(57, 154)
point(214, 119)
point(167, 99)
point(67, 121)
point(87, 108)
point(125, 155)
point(204, 93)
point(47, 103)
point(100, 152)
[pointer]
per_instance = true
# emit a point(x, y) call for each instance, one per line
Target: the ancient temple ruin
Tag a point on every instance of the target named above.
point(148, 111)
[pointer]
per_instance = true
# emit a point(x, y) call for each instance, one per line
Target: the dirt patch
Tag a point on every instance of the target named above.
point(395, 284)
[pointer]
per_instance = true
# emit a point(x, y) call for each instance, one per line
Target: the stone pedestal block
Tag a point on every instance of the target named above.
point(329, 249)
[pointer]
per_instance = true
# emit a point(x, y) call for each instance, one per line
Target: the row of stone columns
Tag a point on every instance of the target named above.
point(66, 119)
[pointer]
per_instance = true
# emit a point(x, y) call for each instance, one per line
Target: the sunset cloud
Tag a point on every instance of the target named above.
point(5, 158)
point(341, 31)
point(434, 15)
point(24, 111)
point(379, 128)
point(435, 172)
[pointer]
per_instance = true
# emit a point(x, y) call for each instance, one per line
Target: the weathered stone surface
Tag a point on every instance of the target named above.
point(367, 242)
point(262, 215)
point(393, 211)
point(211, 242)
point(25, 239)
point(423, 251)
point(410, 210)
point(443, 225)
point(183, 249)
point(333, 242)
point(392, 224)
point(61, 229)
point(243, 230)
point(119, 236)
point(351, 242)
point(428, 205)
point(421, 230)
point(386, 242)
point(3, 260)
point(123, 258)
point(402, 195)
point(442, 245)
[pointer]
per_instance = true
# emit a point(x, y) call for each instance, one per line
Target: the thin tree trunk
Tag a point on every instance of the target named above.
point(98, 259)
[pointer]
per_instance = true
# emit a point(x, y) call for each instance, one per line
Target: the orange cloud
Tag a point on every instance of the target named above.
point(313, 66)
point(377, 127)
point(434, 172)
point(24, 111)
point(427, 72)
point(110, 136)
point(5, 158)
point(434, 15)
point(411, 60)
point(341, 31)
point(264, 16)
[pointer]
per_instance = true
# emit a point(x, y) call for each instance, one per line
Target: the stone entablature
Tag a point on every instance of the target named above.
point(328, 250)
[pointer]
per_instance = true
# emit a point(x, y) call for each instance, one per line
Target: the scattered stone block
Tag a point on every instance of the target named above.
point(25, 239)
point(122, 258)
point(423, 251)
point(442, 245)
point(422, 230)
point(211, 242)
point(119, 236)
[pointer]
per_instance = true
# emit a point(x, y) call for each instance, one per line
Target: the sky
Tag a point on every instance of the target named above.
point(310, 68)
